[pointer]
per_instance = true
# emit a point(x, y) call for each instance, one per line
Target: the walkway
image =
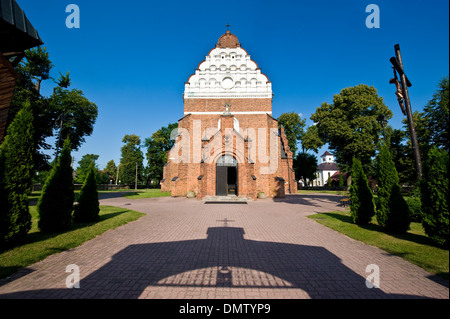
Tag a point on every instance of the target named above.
point(185, 248)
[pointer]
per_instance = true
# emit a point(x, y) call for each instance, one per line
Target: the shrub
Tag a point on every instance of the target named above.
point(88, 208)
point(434, 196)
point(16, 173)
point(56, 202)
point(392, 210)
point(415, 208)
point(362, 207)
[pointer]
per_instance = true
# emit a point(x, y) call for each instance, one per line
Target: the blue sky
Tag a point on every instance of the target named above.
point(132, 58)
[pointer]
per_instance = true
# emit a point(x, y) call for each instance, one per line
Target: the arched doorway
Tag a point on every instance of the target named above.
point(226, 176)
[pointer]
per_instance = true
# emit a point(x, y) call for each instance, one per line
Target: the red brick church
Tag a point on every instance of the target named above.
point(228, 143)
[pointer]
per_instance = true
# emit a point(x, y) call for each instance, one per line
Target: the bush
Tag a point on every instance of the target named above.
point(392, 209)
point(362, 207)
point(16, 174)
point(434, 196)
point(415, 208)
point(56, 202)
point(88, 207)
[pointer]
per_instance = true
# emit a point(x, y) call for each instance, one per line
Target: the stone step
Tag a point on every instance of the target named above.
point(229, 198)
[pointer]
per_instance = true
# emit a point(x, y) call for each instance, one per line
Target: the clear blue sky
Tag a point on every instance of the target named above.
point(132, 58)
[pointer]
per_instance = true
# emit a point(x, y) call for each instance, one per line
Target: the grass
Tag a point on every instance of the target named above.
point(306, 191)
point(130, 194)
point(145, 193)
point(414, 246)
point(38, 246)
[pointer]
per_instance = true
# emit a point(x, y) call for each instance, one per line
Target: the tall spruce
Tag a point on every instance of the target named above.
point(362, 207)
point(392, 209)
point(16, 173)
point(88, 208)
point(434, 196)
point(56, 202)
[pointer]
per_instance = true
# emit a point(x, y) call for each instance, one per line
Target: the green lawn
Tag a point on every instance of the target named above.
point(414, 246)
point(145, 193)
point(128, 193)
point(307, 191)
point(38, 246)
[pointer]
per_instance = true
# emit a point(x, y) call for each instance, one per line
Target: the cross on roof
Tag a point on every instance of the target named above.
point(228, 26)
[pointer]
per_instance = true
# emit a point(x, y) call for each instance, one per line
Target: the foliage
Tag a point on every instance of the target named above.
point(392, 210)
point(70, 108)
point(55, 204)
point(88, 207)
point(157, 147)
point(350, 125)
point(436, 114)
point(293, 128)
point(415, 208)
point(131, 156)
point(111, 170)
point(431, 125)
point(311, 140)
point(76, 116)
point(362, 207)
point(401, 154)
point(434, 196)
point(341, 179)
point(84, 167)
point(305, 166)
point(16, 174)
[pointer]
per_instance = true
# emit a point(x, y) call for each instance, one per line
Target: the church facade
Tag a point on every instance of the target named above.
point(228, 143)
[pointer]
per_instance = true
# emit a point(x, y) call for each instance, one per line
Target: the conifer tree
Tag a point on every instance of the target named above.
point(362, 207)
point(392, 209)
point(87, 209)
point(56, 202)
point(16, 173)
point(434, 196)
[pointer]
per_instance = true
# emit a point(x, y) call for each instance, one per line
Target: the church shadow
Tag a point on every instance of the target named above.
point(316, 200)
point(224, 259)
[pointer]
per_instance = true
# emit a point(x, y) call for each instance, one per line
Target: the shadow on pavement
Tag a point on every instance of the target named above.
point(224, 259)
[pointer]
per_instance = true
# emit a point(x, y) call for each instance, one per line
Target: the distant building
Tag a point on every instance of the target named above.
point(326, 169)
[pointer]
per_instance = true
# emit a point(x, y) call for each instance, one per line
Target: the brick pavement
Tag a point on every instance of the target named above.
point(184, 248)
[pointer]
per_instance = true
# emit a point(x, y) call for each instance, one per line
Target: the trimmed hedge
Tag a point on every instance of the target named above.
point(434, 196)
point(56, 202)
point(88, 208)
point(362, 206)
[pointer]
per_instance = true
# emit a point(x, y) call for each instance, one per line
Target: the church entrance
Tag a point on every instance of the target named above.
point(226, 176)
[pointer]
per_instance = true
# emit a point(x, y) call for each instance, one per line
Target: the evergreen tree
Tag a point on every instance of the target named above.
point(56, 202)
point(362, 206)
point(16, 174)
point(434, 196)
point(341, 179)
point(88, 207)
point(392, 209)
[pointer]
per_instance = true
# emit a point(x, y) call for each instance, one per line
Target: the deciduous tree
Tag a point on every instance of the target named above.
point(349, 125)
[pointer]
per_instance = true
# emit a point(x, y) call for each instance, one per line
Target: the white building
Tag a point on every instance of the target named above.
point(325, 169)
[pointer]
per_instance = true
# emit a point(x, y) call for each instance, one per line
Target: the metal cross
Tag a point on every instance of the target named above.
point(228, 26)
point(227, 105)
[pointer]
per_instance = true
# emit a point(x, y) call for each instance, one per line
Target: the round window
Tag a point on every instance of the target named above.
point(227, 83)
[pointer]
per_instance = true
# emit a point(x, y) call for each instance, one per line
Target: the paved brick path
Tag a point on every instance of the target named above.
point(184, 248)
